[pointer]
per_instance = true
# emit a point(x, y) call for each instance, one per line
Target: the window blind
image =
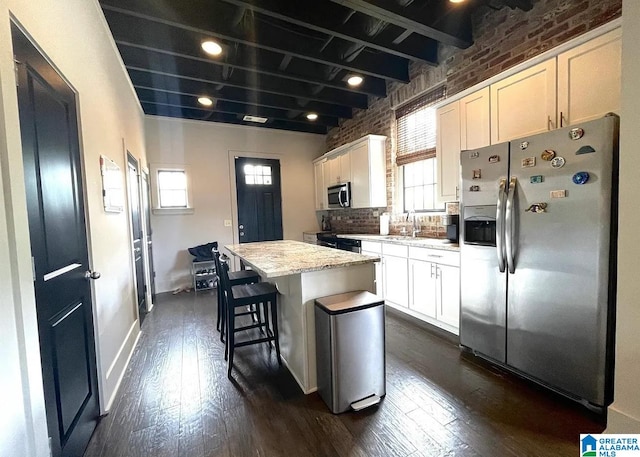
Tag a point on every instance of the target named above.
point(416, 127)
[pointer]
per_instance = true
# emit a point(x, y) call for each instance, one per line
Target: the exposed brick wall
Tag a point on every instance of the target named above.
point(367, 220)
point(502, 39)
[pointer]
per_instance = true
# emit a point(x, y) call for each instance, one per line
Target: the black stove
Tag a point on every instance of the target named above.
point(331, 240)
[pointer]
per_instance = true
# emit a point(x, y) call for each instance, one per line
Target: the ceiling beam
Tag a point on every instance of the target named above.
point(223, 106)
point(205, 21)
point(524, 5)
point(419, 18)
point(213, 72)
point(201, 115)
point(146, 80)
point(325, 18)
point(176, 42)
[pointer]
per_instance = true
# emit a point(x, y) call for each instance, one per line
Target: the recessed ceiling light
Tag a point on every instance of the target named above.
point(456, 1)
point(211, 47)
point(312, 116)
point(258, 119)
point(205, 101)
point(354, 80)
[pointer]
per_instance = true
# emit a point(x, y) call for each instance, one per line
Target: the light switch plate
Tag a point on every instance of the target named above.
point(227, 222)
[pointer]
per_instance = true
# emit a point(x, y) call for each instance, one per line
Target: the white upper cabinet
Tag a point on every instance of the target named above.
point(320, 189)
point(363, 164)
point(524, 104)
point(475, 127)
point(326, 174)
point(345, 167)
point(589, 79)
point(338, 169)
point(368, 173)
point(448, 151)
point(578, 85)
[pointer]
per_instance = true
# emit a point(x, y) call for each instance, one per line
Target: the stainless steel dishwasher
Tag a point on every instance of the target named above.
point(350, 350)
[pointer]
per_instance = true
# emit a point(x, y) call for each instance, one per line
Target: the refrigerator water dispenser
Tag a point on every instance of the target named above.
point(480, 225)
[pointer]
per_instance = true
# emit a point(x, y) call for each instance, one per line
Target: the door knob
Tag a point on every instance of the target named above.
point(92, 274)
point(241, 227)
point(241, 233)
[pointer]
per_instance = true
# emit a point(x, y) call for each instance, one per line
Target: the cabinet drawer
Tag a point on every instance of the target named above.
point(372, 246)
point(435, 255)
point(395, 249)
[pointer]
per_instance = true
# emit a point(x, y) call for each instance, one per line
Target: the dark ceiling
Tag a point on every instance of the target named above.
point(281, 59)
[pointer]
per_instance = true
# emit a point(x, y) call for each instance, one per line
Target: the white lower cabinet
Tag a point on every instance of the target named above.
point(422, 282)
point(422, 287)
point(448, 295)
point(375, 249)
point(396, 280)
point(434, 291)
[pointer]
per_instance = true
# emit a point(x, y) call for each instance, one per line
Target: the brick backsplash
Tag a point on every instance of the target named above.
point(502, 38)
point(367, 221)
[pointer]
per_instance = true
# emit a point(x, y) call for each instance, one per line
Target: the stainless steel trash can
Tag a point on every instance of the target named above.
point(350, 353)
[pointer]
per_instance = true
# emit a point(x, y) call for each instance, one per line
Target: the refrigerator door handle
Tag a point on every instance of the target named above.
point(500, 223)
point(509, 225)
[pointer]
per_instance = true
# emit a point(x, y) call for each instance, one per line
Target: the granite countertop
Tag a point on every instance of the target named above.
point(285, 257)
point(432, 243)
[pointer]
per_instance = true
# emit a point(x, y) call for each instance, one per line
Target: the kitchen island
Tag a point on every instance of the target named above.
point(303, 272)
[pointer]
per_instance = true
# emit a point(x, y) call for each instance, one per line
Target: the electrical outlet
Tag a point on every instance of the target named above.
point(227, 222)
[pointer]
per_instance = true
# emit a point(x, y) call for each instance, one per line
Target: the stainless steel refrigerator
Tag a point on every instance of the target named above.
point(538, 254)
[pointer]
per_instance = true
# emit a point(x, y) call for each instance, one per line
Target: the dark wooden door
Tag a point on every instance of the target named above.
point(259, 199)
point(52, 167)
point(146, 209)
point(136, 234)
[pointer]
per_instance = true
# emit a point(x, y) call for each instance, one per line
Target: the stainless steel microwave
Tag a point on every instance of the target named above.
point(339, 196)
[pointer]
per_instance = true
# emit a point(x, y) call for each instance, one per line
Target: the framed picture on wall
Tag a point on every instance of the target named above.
point(112, 185)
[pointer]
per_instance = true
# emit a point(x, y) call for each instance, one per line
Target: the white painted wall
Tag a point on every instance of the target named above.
point(205, 147)
point(74, 36)
point(624, 414)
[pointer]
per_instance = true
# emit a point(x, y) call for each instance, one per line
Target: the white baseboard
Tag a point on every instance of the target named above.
point(116, 371)
point(619, 422)
point(305, 391)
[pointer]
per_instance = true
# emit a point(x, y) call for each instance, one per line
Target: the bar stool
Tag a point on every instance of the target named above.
point(261, 295)
point(235, 278)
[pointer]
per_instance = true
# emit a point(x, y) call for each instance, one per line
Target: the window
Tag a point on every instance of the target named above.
point(170, 187)
point(416, 151)
point(419, 186)
point(257, 175)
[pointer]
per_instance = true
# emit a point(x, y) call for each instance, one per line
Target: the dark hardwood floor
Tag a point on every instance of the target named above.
point(176, 400)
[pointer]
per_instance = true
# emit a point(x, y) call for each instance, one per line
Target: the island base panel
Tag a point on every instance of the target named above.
point(296, 313)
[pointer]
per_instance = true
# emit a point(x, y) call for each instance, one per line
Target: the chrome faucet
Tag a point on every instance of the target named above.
point(415, 226)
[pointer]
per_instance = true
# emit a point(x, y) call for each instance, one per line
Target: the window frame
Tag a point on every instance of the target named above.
point(156, 209)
